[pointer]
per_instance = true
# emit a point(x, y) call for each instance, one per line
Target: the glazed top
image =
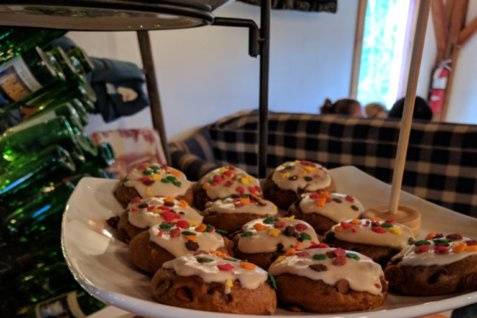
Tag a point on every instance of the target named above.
point(301, 175)
point(332, 265)
point(180, 238)
point(220, 269)
point(229, 181)
point(154, 179)
point(438, 249)
point(144, 213)
point(335, 206)
point(243, 204)
point(272, 234)
point(382, 233)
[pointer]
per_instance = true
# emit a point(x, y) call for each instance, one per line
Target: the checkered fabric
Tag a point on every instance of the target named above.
point(441, 163)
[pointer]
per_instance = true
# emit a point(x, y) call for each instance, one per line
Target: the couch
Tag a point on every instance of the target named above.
point(441, 163)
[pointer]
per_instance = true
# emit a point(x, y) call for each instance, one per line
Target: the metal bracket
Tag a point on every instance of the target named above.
point(254, 40)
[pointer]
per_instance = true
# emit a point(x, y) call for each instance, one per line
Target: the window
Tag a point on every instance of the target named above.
point(383, 59)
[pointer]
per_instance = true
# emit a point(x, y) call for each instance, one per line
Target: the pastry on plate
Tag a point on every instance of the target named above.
point(213, 283)
point(163, 242)
point(290, 179)
point(143, 213)
point(225, 182)
point(262, 240)
point(323, 209)
point(153, 179)
point(230, 214)
point(329, 280)
point(379, 240)
point(438, 265)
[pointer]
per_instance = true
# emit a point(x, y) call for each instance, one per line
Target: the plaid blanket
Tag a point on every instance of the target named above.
point(441, 162)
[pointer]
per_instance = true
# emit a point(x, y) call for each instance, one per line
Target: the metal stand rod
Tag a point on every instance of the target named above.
point(264, 79)
point(152, 89)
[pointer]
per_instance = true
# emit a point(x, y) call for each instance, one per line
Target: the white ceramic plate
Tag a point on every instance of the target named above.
point(99, 263)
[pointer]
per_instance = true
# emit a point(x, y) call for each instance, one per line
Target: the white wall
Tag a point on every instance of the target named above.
point(463, 102)
point(206, 73)
point(428, 60)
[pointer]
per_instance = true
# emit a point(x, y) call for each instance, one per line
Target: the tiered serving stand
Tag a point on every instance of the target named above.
point(142, 16)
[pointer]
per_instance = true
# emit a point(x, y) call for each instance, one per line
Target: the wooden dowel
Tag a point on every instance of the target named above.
point(406, 122)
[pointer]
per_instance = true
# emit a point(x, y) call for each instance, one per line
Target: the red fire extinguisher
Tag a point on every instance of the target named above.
point(437, 91)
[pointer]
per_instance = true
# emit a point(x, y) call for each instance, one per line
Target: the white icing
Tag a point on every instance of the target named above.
point(207, 241)
point(293, 176)
point(411, 258)
point(242, 205)
point(396, 237)
point(263, 242)
point(159, 186)
point(228, 181)
point(363, 275)
point(144, 217)
point(339, 207)
point(189, 266)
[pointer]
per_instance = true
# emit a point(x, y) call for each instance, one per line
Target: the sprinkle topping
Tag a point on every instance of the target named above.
point(438, 248)
point(229, 181)
point(220, 268)
point(154, 179)
point(144, 213)
point(242, 204)
point(181, 241)
point(366, 231)
point(301, 175)
point(273, 233)
point(332, 265)
point(335, 206)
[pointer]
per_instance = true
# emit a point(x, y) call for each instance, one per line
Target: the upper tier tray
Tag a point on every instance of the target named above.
point(99, 262)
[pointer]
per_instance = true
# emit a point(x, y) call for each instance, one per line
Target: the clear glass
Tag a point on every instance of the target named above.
point(382, 56)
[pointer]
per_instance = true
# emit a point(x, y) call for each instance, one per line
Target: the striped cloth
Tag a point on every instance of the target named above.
point(441, 162)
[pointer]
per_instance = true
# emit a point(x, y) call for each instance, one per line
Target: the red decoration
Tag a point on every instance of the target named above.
point(225, 267)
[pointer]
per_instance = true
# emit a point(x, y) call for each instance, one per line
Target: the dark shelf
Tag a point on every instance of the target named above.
point(114, 15)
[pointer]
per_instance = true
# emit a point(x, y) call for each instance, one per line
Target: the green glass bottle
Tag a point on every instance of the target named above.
point(71, 72)
point(17, 41)
point(75, 304)
point(27, 222)
point(51, 161)
point(33, 259)
point(66, 110)
point(15, 200)
point(26, 74)
point(81, 60)
point(21, 141)
point(43, 283)
point(51, 96)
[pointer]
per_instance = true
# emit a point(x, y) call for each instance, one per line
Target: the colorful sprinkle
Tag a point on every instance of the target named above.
point(441, 249)
point(274, 232)
point(353, 256)
point(421, 249)
point(183, 224)
point(319, 257)
point(247, 266)
point(202, 259)
point(225, 267)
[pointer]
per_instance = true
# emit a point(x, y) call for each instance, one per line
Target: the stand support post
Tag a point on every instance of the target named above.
point(264, 81)
point(152, 89)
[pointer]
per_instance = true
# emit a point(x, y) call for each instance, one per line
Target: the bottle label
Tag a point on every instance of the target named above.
point(16, 80)
point(65, 306)
point(33, 121)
